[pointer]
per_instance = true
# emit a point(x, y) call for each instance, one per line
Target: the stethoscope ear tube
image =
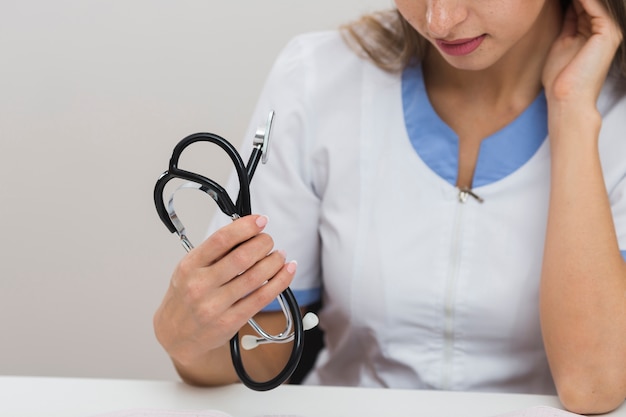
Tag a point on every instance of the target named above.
point(243, 199)
point(210, 187)
point(217, 192)
point(159, 203)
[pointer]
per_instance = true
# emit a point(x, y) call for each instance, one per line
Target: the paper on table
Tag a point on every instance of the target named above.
point(539, 411)
point(146, 412)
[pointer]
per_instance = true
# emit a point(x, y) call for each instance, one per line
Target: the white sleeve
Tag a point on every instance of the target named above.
point(282, 189)
point(612, 146)
point(617, 198)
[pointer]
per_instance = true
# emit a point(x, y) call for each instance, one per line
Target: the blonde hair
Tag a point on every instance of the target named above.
point(385, 38)
point(389, 41)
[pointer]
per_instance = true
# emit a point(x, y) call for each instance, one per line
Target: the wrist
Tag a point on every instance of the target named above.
point(575, 110)
point(573, 124)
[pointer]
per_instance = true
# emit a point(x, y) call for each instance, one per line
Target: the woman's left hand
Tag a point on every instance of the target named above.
point(581, 56)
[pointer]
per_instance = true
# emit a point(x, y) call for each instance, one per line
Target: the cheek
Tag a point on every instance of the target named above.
point(413, 12)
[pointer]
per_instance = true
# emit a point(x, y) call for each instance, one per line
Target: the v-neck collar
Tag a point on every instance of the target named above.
point(501, 153)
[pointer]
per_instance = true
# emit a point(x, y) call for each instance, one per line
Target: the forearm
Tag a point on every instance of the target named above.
point(583, 287)
point(215, 367)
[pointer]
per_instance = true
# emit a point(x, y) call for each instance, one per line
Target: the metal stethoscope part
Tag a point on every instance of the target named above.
point(295, 324)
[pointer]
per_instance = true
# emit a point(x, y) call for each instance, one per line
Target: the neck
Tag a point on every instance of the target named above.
point(516, 76)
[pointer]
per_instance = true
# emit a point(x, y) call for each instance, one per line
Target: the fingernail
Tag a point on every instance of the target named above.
point(282, 252)
point(261, 221)
point(291, 267)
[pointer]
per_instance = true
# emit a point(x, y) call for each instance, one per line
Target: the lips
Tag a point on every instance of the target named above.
point(460, 47)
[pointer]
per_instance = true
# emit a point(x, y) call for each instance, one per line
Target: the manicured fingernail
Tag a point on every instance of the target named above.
point(282, 252)
point(291, 267)
point(261, 221)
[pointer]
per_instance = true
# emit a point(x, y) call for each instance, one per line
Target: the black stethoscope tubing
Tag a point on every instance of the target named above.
point(240, 208)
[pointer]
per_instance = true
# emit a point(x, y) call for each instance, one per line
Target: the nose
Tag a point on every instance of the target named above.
point(443, 15)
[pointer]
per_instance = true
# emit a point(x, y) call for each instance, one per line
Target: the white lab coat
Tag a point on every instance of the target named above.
point(419, 290)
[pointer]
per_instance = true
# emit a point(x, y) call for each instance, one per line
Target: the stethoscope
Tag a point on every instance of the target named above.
point(240, 208)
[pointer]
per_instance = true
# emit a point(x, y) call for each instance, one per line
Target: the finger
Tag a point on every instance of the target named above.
point(254, 277)
point(600, 18)
point(231, 316)
point(241, 259)
point(603, 33)
point(570, 23)
point(254, 302)
point(578, 7)
point(594, 8)
point(225, 239)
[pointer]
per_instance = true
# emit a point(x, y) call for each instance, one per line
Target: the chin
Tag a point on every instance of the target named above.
point(470, 62)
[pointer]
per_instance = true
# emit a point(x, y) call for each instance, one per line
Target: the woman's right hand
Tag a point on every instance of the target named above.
point(216, 288)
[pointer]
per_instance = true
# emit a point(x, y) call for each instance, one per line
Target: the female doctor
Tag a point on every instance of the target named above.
point(451, 178)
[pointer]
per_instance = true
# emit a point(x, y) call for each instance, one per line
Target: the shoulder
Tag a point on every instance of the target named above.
point(319, 65)
point(324, 54)
point(322, 44)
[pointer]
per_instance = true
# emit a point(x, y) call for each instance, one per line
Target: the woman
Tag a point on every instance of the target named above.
point(455, 189)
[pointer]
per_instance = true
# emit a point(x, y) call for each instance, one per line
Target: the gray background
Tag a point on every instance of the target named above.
point(93, 96)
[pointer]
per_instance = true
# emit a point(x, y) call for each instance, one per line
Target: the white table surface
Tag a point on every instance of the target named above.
point(73, 397)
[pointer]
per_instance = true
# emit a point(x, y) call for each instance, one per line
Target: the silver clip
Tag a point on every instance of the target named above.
point(466, 192)
point(262, 137)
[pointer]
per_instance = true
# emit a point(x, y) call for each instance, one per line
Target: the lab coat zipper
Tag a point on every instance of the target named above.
point(450, 297)
point(451, 284)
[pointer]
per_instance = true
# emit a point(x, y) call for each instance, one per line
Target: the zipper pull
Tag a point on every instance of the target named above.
point(466, 192)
